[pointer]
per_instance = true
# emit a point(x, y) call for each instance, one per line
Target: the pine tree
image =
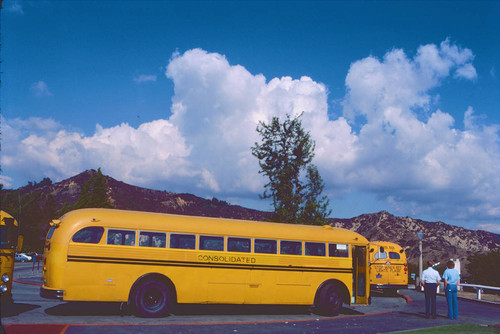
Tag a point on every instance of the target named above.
point(99, 196)
point(93, 194)
point(315, 210)
point(286, 152)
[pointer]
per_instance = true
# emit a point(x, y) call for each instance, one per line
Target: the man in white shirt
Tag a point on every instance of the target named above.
point(430, 281)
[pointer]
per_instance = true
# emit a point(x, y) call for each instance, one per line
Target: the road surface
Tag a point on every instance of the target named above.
point(32, 314)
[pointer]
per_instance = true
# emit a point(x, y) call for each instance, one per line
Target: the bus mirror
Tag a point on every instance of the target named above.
point(20, 240)
point(55, 222)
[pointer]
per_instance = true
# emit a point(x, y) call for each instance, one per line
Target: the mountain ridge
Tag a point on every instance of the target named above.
point(441, 241)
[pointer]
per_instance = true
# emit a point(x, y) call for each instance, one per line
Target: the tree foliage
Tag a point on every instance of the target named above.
point(484, 269)
point(93, 194)
point(295, 185)
point(33, 211)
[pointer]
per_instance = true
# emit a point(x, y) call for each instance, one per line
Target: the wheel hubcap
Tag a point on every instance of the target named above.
point(153, 299)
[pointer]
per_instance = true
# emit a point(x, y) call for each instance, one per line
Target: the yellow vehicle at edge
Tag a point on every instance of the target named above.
point(388, 266)
point(152, 261)
point(10, 243)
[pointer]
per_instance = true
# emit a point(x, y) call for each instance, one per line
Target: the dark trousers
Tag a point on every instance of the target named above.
point(430, 299)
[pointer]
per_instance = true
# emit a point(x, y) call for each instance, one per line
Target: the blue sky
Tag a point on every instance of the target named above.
point(402, 98)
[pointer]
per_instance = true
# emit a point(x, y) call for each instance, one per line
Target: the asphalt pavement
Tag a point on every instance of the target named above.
point(32, 314)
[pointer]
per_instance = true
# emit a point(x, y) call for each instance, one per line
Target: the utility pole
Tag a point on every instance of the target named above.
point(420, 236)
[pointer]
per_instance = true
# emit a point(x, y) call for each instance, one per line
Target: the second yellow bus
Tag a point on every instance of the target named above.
point(388, 267)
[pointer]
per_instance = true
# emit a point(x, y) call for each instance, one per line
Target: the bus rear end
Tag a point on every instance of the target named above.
point(388, 267)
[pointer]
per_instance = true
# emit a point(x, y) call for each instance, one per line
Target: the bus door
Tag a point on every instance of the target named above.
point(360, 272)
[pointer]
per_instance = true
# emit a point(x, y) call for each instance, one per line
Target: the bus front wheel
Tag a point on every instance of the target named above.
point(152, 299)
point(330, 300)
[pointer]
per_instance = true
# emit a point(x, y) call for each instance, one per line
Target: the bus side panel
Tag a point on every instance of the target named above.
point(227, 285)
point(291, 288)
point(84, 274)
point(189, 290)
point(261, 287)
point(86, 287)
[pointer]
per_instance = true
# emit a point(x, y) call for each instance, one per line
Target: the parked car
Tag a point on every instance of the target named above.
point(21, 257)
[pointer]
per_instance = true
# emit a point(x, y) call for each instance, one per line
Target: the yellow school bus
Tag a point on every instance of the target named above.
point(10, 242)
point(388, 267)
point(153, 261)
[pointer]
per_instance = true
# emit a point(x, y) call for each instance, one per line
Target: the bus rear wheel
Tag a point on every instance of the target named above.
point(152, 299)
point(330, 300)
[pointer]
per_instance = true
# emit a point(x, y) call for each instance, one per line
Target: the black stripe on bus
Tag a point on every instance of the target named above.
point(205, 264)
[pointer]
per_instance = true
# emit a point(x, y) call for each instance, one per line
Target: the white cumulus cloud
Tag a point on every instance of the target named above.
point(404, 150)
point(145, 78)
point(426, 162)
point(152, 152)
point(40, 89)
point(14, 6)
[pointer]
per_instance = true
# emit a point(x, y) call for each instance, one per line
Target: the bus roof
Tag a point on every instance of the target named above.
point(149, 221)
point(4, 215)
point(385, 243)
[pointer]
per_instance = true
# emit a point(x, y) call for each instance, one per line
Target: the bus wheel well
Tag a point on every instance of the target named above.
point(340, 287)
point(153, 277)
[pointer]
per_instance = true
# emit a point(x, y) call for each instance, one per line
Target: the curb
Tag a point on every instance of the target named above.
point(405, 297)
point(19, 280)
point(12, 328)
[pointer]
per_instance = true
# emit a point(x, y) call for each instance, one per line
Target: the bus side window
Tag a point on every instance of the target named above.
point(394, 256)
point(315, 249)
point(8, 233)
point(265, 246)
point(290, 247)
point(121, 237)
point(115, 237)
point(51, 232)
point(182, 241)
point(238, 245)
point(159, 240)
point(338, 250)
point(89, 235)
point(144, 240)
point(152, 239)
point(211, 243)
point(130, 239)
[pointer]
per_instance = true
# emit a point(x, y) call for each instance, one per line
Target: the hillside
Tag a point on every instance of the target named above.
point(441, 241)
point(128, 197)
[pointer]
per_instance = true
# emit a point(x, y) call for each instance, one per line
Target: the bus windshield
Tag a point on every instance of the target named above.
point(8, 234)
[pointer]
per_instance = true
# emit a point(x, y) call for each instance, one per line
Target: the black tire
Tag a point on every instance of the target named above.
point(152, 299)
point(330, 300)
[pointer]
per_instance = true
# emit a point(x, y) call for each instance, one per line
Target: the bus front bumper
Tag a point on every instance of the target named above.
point(51, 293)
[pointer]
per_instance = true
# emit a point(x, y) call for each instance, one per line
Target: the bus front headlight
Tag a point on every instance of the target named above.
point(5, 278)
point(3, 288)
